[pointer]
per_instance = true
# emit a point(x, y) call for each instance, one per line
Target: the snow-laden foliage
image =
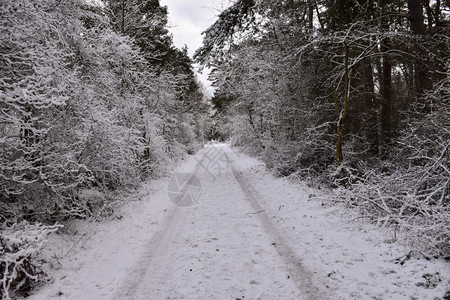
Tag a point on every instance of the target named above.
point(81, 107)
point(36, 87)
point(415, 194)
point(84, 107)
point(346, 94)
point(275, 121)
point(234, 19)
point(20, 244)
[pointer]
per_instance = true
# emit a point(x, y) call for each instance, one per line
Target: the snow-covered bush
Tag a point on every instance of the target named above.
point(36, 83)
point(395, 200)
point(20, 268)
point(81, 108)
point(412, 190)
point(109, 153)
point(155, 158)
point(84, 107)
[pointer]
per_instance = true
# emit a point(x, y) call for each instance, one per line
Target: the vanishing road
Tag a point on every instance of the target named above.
point(223, 246)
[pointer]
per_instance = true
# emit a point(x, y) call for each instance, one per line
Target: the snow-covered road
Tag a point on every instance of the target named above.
point(247, 236)
point(216, 248)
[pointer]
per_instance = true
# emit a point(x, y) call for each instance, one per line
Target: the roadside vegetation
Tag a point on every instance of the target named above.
point(94, 100)
point(349, 95)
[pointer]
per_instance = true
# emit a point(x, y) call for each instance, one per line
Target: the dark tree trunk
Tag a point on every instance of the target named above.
point(311, 14)
point(369, 109)
point(386, 93)
point(342, 114)
point(415, 11)
point(422, 80)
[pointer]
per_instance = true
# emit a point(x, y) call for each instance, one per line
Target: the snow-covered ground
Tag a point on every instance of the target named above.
point(247, 236)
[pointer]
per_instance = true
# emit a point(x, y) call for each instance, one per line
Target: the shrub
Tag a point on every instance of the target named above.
point(20, 267)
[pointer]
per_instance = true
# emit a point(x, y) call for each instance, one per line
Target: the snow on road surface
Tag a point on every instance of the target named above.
point(247, 235)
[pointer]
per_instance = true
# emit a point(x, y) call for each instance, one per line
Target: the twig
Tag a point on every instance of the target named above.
point(255, 212)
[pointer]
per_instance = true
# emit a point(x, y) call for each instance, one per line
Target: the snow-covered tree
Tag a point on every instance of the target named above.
point(83, 108)
point(325, 90)
point(37, 82)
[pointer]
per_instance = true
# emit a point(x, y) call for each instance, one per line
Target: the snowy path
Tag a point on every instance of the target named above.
point(220, 248)
point(250, 236)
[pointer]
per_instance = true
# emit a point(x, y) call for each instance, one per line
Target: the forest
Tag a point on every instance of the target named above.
point(94, 100)
point(348, 96)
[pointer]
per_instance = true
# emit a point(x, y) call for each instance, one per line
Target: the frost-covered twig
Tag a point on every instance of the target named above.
point(19, 247)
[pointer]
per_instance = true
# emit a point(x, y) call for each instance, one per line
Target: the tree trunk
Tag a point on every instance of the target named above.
point(342, 115)
point(386, 93)
point(311, 14)
point(415, 11)
point(422, 80)
point(369, 112)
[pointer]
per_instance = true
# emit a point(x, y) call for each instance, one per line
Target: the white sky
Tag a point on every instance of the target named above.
point(188, 19)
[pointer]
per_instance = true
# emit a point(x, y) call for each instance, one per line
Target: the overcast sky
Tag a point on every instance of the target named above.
point(188, 19)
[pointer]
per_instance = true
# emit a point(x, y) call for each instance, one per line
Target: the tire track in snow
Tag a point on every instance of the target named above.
point(301, 277)
point(134, 277)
